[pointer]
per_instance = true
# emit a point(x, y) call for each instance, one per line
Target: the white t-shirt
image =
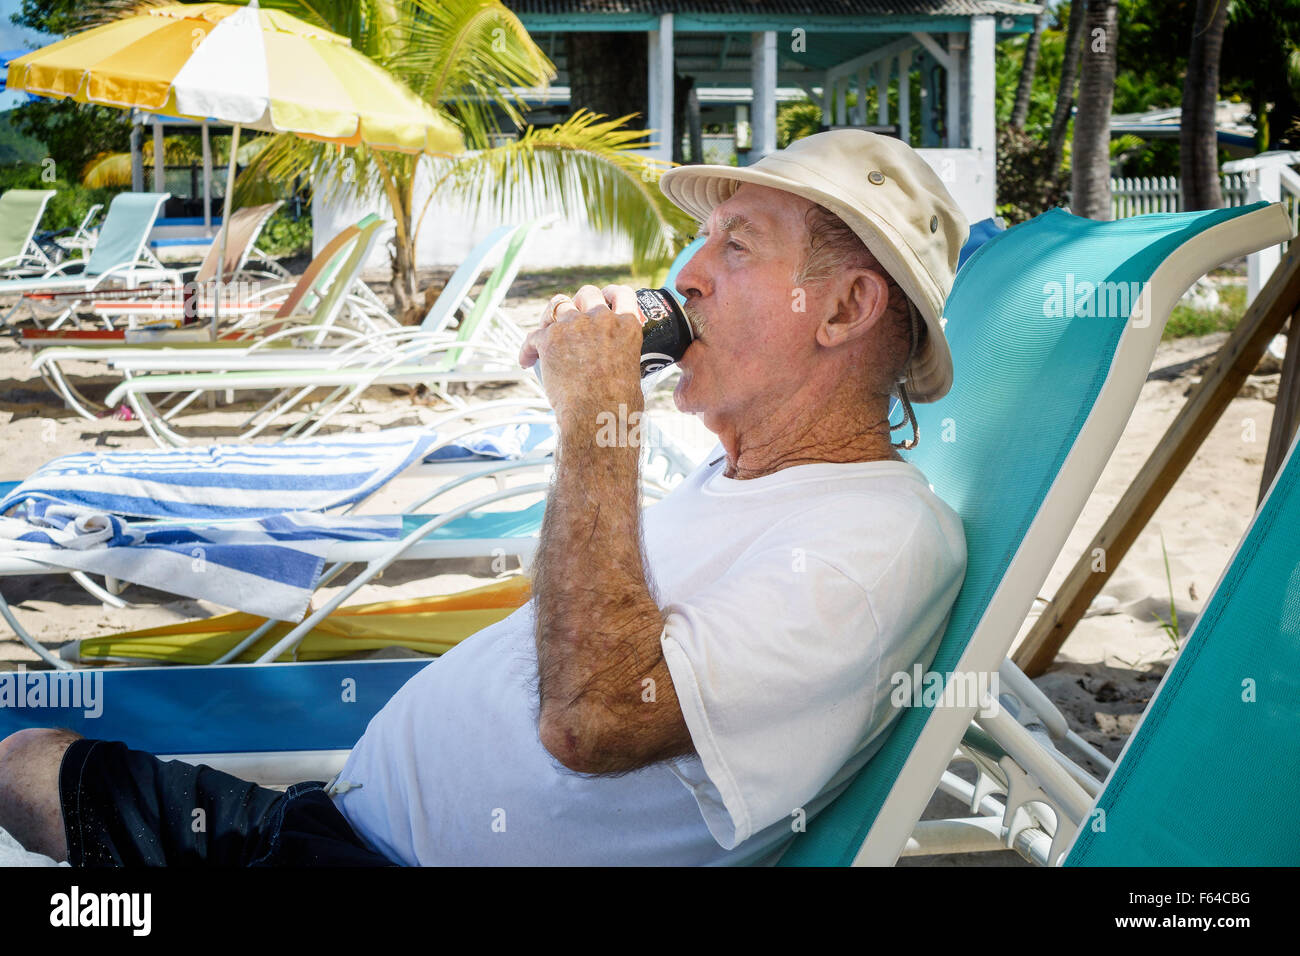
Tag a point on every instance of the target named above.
point(790, 600)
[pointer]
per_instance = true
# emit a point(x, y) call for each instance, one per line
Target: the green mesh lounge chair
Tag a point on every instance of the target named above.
point(309, 308)
point(1201, 781)
point(20, 213)
point(120, 256)
point(1044, 386)
point(483, 348)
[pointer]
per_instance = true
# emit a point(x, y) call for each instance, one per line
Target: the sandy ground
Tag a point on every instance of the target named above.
point(1106, 673)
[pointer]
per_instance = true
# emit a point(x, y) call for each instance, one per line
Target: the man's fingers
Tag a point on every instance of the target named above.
point(552, 309)
point(589, 298)
point(528, 354)
point(621, 298)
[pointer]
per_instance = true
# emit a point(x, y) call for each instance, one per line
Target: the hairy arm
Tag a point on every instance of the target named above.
point(607, 699)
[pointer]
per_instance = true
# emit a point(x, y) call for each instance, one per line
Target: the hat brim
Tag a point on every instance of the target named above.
point(697, 189)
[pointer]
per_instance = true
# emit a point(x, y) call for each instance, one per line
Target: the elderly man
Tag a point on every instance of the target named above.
point(690, 681)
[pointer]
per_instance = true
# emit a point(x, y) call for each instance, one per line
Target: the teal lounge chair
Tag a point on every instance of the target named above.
point(20, 213)
point(1203, 780)
point(1042, 391)
point(120, 256)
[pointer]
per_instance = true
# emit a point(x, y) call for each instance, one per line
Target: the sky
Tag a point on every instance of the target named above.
point(15, 38)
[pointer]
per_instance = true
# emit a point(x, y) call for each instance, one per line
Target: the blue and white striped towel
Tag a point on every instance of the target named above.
point(502, 442)
point(267, 566)
point(226, 481)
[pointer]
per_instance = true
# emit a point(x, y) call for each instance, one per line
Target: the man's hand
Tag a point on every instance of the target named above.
point(607, 698)
point(590, 353)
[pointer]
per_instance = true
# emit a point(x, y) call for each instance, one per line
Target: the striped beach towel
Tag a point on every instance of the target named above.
point(267, 566)
point(225, 481)
point(500, 443)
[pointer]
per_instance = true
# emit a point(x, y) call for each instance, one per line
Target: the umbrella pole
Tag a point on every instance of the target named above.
point(225, 223)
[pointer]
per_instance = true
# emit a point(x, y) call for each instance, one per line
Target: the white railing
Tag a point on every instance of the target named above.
point(1270, 177)
point(1140, 195)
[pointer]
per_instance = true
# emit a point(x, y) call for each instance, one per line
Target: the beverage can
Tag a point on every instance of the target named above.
point(666, 334)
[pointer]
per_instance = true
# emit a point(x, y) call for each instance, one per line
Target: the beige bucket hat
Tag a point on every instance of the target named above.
point(887, 194)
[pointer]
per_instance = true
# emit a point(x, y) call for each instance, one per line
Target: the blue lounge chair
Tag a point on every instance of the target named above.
point(1204, 778)
point(1042, 391)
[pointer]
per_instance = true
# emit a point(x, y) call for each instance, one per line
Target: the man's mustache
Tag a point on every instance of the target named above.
point(695, 318)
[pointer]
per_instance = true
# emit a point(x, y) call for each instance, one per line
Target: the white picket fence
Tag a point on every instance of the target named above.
point(1270, 177)
point(1144, 194)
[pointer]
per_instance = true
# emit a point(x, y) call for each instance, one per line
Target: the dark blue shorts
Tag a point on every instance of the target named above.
point(123, 807)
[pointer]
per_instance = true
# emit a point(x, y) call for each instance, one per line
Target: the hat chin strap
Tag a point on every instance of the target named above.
point(909, 417)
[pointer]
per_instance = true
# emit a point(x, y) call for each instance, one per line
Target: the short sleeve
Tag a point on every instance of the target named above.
point(774, 666)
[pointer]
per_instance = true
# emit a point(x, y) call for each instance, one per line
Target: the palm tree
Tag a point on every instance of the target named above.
point(1090, 160)
point(463, 57)
point(1198, 141)
point(1065, 91)
point(1028, 66)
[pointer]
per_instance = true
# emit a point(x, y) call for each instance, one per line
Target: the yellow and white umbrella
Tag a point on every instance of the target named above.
point(263, 69)
point(239, 65)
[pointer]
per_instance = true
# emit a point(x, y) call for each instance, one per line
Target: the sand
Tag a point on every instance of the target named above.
point(1106, 673)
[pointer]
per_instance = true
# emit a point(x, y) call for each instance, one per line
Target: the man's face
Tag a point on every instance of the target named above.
point(754, 331)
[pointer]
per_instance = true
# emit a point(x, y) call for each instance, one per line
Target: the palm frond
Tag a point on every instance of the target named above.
point(465, 56)
point(583, 168)
point(108, 170)
point(114, 169)
point(105, 11)
point(332, 171)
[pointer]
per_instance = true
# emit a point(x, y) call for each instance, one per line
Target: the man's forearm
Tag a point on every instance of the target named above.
point(607, 702)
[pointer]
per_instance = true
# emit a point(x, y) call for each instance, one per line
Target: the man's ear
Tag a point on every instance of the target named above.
point(861, 304)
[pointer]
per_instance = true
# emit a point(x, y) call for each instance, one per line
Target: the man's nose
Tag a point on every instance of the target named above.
point(693, 279)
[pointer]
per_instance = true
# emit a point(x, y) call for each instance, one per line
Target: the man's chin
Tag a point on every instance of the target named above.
point(681, 393)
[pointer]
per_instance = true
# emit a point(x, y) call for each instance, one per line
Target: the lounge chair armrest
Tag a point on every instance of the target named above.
point(61, 270)
point(126, 268)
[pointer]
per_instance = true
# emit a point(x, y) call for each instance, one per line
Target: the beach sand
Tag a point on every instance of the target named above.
point(1103, 678)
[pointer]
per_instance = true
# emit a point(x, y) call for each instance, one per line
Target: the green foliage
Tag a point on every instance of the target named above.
point(1170, 627)
point(584, 161)
point(73, 133)
point(284, 236)
point(1259, 48)
point(1026, 187)
point(70, 202)
point(1047, 76)
point(51, 16)
point(796, 120)
point(16, 147)
point(1186, 321)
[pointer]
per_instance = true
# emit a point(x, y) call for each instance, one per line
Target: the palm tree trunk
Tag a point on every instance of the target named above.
point(1198, 146)
point(399, 191)
point(1020, 112)
point(1065, 91)
point(1090, 166)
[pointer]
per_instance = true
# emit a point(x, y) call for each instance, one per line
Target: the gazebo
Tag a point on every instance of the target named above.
point(930, 64)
